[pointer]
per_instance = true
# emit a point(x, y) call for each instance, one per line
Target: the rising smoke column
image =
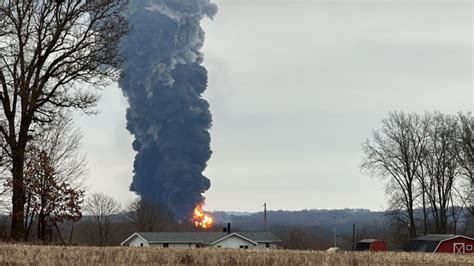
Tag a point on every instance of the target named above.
point(163, 80)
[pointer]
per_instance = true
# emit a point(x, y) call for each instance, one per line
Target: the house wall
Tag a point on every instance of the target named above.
point(137, 241)
point(175, 245)
point(448, 246)
point(230, 242)
point(264, 245)
point(234, 242)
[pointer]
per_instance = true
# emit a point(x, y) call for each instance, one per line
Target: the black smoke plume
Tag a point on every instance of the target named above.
point(163, 80)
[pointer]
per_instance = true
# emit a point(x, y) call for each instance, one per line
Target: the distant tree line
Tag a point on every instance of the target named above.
point(106, 223)
point(97, 220)
point(426, 161)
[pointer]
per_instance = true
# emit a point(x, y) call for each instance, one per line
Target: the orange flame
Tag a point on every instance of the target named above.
point(201, 219)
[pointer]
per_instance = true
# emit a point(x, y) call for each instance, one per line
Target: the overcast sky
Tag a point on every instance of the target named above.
point(294, 88)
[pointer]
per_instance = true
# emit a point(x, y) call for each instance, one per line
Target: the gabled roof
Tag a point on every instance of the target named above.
point(231, 235)
point(205, 238)
point(182, 237)
point(130, 238)
point(435, 237)
point(429, 243)
point(260, 237)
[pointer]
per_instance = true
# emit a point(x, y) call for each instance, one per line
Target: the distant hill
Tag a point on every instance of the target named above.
point(320, 218)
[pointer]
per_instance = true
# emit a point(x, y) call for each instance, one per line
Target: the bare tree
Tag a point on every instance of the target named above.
point(427, 161)
point(464, 153)
point(49, 52)
point(395, 153)
point(442, 167)
point(149, 217)
point(102, 211)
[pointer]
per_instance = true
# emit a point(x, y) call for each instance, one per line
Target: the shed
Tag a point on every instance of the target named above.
point(371, 245)
point(442, 243)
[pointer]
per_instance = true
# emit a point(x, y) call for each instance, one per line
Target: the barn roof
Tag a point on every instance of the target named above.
point(428, 243)
point(435, 237)
point(202, 237)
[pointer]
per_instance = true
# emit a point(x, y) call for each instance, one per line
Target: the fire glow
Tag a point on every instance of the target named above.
point(201, 219)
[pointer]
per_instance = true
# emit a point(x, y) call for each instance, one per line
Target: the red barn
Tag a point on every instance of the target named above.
point(457, 244)
point(371, 245)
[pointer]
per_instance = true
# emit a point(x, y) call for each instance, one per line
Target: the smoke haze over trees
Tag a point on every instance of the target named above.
point(163, 80)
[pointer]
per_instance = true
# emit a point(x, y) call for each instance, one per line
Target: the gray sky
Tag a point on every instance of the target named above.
point(294, 88)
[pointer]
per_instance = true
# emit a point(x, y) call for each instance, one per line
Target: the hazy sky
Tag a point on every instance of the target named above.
point(294, 88)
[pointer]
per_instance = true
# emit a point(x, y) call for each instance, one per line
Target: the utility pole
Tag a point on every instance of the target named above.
point(353, 236)
point(265, 216)
point(334, 232)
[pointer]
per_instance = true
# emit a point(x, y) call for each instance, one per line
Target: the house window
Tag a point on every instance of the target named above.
point(218, 246)
point(241, 247)
point(165, 245)
point(244, 247)
point(141, 244)
point(469, 247)
point(267, 245)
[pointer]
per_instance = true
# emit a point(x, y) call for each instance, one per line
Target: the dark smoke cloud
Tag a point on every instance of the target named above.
point(163, 80)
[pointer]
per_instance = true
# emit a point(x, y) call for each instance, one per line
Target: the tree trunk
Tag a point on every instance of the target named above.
point(455, 220)
point(411, 215)
point(444, 229)
point(18, 198)
point(70, 235)
point(42, 227)
point(30, 224)
point(425, 216)
point(412, 225)
point(29, 217)
point(59, 233)
point(42, 218)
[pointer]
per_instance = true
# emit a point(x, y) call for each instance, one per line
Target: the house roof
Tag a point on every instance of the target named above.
point(428, 243)
point(236, 235)
point(202, 237)
point(368, 240)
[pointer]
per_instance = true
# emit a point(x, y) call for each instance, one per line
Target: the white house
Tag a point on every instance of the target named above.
point(244, 240)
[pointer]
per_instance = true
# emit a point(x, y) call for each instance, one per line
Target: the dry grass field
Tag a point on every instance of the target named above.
point(49, 255)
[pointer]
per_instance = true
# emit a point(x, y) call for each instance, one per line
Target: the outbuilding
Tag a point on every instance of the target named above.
point(457, 244)
point(243, 240)
point(371, 245)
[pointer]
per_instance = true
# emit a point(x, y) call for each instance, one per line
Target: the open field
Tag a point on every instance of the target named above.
point(49, 255)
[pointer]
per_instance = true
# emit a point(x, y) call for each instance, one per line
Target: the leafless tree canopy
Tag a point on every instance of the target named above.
point(61, 140)
point(102, 210)
point(149, 217)
point(427, 162)
point(465, 156)
point(394, 154)
point(49, 52)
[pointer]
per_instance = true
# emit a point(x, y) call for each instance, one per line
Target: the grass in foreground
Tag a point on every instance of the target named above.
point(50, 255)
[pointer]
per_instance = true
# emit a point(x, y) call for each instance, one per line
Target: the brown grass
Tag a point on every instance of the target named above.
point(50, 255)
